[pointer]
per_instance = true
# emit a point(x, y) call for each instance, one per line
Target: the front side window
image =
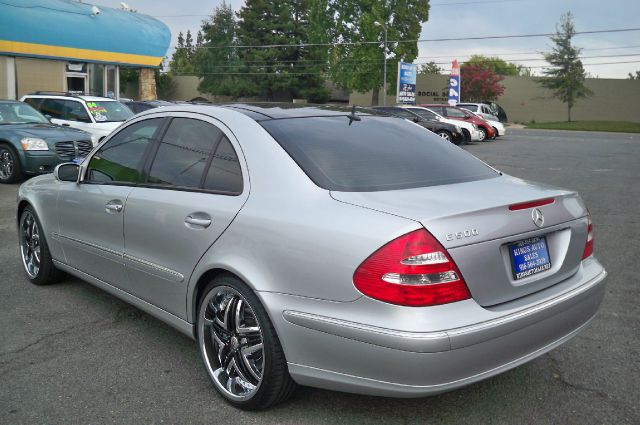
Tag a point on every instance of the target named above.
point(120, 159)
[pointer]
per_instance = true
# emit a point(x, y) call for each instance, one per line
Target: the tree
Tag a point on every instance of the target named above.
point(480, 83)
point(429, 68)
point(566, 76)
point(180, 63)
point(216, 61)
point(497, 65)
point(634, 77)
point(355, 62)
point(282, 71)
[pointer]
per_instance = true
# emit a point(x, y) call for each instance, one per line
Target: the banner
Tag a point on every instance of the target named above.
point(454, 83)
point(406, 83)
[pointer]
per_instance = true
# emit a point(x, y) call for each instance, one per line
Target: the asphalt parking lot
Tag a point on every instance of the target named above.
point(70, 353)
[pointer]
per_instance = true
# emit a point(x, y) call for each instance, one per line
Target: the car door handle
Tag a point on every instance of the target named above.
point(114, 206)
point(64, 124)
point(198, 221)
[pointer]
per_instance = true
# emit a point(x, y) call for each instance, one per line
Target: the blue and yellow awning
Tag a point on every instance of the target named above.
point(63, 29)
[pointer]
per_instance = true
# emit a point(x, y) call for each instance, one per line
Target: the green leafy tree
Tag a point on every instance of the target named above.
point(358, 65)
point(494, 63)
point(634, 77)
point(289, 72)
point(566, 75)
point(216, 61)
point(430, 68)
point(181, 63)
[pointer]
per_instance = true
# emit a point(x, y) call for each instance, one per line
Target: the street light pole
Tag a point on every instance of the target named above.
point(384, 52)
point(384, 90)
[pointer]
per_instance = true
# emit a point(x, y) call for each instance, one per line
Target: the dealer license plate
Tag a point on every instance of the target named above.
point(529, 257)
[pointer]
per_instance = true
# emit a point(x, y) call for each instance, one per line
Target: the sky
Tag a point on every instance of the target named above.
point(471, 18)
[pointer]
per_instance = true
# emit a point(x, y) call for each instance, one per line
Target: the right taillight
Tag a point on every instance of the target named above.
point(412, 270)
point(588, 247)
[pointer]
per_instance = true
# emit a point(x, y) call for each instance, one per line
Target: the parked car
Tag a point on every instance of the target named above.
point(470, 130)
point(454, 113)
point(497, 110)
point(480, 109)
point(498, 127)
point(449, 132)
point(96, 115)
point(138, 106)
point(318, 246)
point(30, 144)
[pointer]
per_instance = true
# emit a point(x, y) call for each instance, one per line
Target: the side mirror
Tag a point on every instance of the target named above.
point(67, 172)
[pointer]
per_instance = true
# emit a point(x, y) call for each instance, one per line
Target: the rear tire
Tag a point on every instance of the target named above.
point(240, 348)
point(10, 168)
point(34, 251)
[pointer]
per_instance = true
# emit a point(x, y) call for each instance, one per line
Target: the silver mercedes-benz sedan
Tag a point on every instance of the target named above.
point(318, 246)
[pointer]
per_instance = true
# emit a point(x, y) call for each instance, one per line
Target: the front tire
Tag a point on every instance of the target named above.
point(496, 133)
point(445, 135)
point(10, 170)
point(239, 346)
point(483, 134)
point(34, 251)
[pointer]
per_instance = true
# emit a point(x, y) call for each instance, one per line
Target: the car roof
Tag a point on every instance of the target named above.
point(267, 111)
point(86, 98)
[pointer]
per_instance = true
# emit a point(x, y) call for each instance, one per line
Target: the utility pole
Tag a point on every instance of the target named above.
point(384, 52)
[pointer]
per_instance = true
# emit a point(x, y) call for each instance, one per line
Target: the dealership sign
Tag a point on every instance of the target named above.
point(454, 84)
point(406, 83)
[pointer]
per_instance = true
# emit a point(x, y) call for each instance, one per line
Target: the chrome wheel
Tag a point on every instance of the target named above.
point(30, 244)
point(444, 135)
point(483, 134)
point(232, 343)
point(6, 164)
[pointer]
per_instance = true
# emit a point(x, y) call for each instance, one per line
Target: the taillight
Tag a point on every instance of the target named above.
point(588, 247)
point(412, 270)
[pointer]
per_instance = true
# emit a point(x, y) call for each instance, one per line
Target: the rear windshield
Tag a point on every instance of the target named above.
point(374, 154)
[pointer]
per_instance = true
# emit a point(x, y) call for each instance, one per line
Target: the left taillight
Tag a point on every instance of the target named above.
point(413, 270)
point(588, 246)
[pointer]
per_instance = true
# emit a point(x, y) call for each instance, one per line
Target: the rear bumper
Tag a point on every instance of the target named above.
point(345, 355)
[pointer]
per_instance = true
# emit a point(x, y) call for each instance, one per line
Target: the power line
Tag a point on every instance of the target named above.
point(480, 2)
point(289, 64)
point(432, 40)
point(289, 74)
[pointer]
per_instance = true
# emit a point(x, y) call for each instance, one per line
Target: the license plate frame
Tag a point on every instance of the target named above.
point(529, 257)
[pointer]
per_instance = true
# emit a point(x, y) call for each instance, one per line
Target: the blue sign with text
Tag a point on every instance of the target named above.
point(407, 73)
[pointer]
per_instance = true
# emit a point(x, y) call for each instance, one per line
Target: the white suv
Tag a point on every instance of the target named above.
point(96, 115)
point(483, 110)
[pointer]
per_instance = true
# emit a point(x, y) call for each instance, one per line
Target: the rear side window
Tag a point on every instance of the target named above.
point(374, 154)
point(74, 111)
point(184, 152)
point(225, 174)
point(453, 112)
point(34, 102)
point(52, 107)
point(120, 159)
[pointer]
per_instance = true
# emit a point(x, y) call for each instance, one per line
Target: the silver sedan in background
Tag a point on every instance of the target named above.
point(318, 246)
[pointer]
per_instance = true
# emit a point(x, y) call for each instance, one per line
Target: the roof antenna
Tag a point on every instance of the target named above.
point(352, 116)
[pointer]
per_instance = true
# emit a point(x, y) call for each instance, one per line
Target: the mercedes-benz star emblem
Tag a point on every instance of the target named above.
point(538, 218)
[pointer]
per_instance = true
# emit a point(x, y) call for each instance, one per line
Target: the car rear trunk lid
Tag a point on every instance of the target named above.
point(473, 222)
